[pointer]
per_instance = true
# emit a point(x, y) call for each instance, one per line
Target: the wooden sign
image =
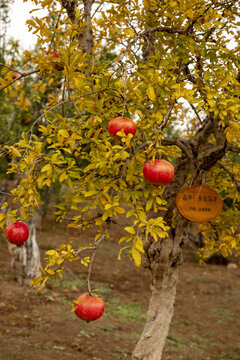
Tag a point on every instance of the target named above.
point(199, 203)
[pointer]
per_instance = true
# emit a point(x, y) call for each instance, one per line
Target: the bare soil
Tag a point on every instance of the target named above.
point(206, 323)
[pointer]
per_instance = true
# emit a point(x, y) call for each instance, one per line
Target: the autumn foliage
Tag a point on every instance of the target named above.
point(170, 69)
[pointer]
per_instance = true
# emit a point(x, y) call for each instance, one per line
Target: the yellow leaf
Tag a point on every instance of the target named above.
point(52, 253)
point(105, 216)
point(139, 245)
point(36, 281)
point(129, 32)
point(43, 284)
point(154, 234)
point(63, 133)
point(59, 262)
point(121, 250)
point(151, 93)
point(90, 193)
point(67, 150)
point(130, 213)
point(128, 140)
point(149, 204)
point(74, 33)
point(120, 210)
point(107, 206)
point(15, 152)
point(136, 257)
point(62, 177)
point(5, 204)
point(189, 13)
point(47, 168)
point(50, 271)
point(2, 216)
point(130, 230)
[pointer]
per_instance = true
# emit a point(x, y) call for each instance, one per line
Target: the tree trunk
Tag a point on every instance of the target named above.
point(163, 258)
point(85, 34)
point(151, 343)
point(26, 260)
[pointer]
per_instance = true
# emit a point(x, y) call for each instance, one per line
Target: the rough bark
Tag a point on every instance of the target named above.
point(85, 34)
point(159, 316)
point(26, 260)
point(148, 48)
point(166, 257)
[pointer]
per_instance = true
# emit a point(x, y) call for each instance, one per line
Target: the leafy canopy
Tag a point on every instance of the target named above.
point(172, 68)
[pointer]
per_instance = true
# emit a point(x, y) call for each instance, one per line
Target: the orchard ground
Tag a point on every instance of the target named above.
point(206, 323)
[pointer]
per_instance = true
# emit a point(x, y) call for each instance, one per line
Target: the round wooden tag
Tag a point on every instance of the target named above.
point(199, 203)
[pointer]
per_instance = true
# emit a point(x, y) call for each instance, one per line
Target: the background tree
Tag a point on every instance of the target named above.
point(175, 69)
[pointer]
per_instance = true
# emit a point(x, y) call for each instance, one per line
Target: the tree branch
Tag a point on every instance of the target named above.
point(22, 75)
point(144, 33)
point(230, 175)
point(168, 114)
point(196, 113)
point(95, 247)
point(10, 68)
point(70, 6)
point(183, 145)
point(233, 148)
point(84, 36)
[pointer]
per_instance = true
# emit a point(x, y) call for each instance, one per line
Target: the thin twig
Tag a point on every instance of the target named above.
point(20, 77)
point(10, 68)
point(91, 260)
point(77, 252)
point(5, 193)
point(195, 110)
point(83, 220)
point(230, 175)
point(233, 148)
point(167, 29)
point(167, 116)
point(54, 33)
point(96, 10)
point(124, 77)
point(183, 145)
